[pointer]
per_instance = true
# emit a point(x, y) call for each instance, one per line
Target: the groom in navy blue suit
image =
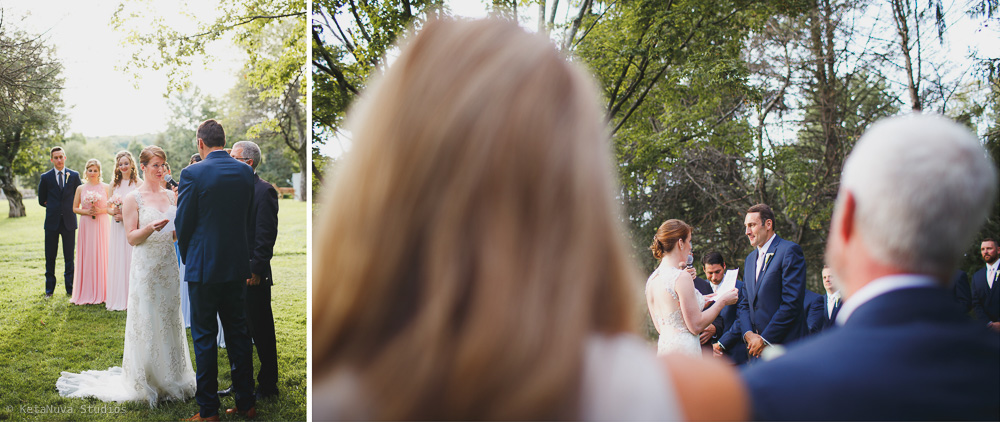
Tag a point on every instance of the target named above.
point(214, 199)
point(775, 281)
point(913, 193)
point(56, 191)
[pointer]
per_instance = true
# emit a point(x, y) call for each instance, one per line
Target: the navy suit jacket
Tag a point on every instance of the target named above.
point(58, 202)
point(961, 290)
point(214, 198)
point(908, 354)
point(814, 307)
point(985, 300)
point(732, 336)
point(262, 229)
point(772, 306)
point(824, 320)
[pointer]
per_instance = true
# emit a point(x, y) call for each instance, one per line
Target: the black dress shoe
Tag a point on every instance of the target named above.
point(226, 392)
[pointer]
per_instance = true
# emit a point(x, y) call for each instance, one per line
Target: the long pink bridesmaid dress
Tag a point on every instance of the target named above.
point(119, 256)
point(90, 277)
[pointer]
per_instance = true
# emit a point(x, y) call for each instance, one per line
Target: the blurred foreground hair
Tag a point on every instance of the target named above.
point(471, 242)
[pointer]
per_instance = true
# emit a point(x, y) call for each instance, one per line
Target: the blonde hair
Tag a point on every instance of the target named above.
point(97, 163)
point(133, 177)
point(471, 242)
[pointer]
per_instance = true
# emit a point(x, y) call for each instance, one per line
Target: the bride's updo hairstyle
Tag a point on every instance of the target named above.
point(469, 244)
point(149, 152)
point(667, 235)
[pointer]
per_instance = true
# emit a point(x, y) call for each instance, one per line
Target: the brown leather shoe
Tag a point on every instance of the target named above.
point(249, 414)
point(197, 417)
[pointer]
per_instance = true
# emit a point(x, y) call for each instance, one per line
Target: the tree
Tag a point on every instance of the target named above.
point(271, 32)
point(30, 107)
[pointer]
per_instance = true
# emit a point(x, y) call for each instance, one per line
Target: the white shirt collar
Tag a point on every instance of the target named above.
point(763, 248)
point(834, 296)
point(993, 267)
point(879, 287)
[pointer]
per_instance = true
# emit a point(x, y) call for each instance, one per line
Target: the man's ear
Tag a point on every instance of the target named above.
point(847, 216)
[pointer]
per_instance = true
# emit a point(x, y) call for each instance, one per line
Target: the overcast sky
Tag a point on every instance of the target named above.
point(100, 100)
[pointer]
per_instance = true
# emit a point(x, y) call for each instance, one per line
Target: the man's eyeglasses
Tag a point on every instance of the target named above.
point(243, 159)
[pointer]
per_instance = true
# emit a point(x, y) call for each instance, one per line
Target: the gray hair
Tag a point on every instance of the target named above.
point(923, 186)
point(249, 150)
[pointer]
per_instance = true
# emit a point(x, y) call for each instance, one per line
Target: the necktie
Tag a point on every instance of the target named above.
point(61, 184)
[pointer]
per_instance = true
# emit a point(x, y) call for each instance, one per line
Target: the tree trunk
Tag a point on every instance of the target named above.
point(14, 198)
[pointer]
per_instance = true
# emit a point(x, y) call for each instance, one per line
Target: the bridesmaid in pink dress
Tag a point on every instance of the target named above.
point(119, 250)
point(91, 202)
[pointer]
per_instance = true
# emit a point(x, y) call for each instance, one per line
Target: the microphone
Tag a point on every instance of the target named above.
point(170, 181)
point(690, 260)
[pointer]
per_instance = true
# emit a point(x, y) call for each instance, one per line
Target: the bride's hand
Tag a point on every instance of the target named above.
point(728, 297)
point(159, 224)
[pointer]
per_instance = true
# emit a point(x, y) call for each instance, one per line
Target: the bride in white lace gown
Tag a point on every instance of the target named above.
point(156, 364)
point(675, 306)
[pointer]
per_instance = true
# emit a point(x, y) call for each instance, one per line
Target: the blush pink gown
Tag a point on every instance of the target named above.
point(90, 277)
point(119, 257)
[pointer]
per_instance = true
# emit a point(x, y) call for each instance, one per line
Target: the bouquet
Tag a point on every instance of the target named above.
point(92, 198)
point(115, 201)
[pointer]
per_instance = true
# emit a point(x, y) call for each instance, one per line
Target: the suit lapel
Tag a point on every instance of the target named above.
point(768, 260)
point(750, 282)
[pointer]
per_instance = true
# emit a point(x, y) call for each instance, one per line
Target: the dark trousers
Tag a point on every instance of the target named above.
point(262, 330)
point(228, 300)
point(51, 248)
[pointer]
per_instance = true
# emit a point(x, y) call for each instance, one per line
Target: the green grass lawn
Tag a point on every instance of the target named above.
point(41, 337)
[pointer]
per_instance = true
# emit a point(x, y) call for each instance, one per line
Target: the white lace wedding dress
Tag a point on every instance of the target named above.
point(664, 309)
point(156, 364)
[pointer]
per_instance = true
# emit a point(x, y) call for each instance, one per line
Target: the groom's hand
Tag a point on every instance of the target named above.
point(253, 280)
point(755, 343)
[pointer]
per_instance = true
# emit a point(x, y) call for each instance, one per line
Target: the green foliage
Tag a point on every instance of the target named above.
point(43, 337)
point(30, 107)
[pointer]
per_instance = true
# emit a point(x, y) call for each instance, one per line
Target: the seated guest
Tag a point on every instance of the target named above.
point(986, 286)
point(471, 262)
point(829, 304)
point(902, 350)
point(728, 340)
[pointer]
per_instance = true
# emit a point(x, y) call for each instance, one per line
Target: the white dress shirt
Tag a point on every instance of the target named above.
point(830, 301)
point(991, 272)
point(761, 253)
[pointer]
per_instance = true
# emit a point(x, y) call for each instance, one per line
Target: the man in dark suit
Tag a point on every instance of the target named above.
point(812, 308)
point(56, 190)
point(726, 341)
point(986, 286)
point(262, 231)
point(775, 278)
point(827, 305)
point(213, 209)
point(961, 290)
point(902, 349)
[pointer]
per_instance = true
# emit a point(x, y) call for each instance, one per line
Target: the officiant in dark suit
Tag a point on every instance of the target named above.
point(775, 281)
point(902, 348)
point(727, 340)
point(262, 232)
point(55, 192)
point(214, 204)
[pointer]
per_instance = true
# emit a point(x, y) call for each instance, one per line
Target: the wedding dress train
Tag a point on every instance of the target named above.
point(156, 362)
